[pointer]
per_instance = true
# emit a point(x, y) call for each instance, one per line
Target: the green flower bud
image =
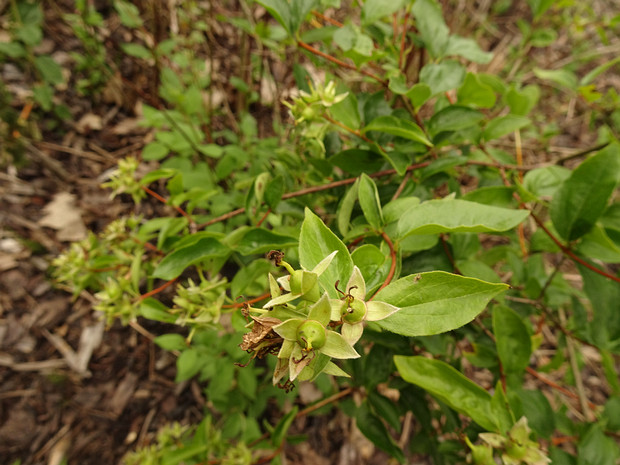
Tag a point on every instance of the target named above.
point(305, 283)
point(353, 311)
point(311, 335)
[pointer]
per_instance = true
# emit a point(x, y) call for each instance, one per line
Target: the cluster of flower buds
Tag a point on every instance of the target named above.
point(515, 448)
point(311, 106)
point(300, 323)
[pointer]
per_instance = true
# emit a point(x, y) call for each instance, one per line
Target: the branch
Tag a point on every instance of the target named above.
point(163, 200)
point(566, 250)
point(340, 63)
point(390, 275)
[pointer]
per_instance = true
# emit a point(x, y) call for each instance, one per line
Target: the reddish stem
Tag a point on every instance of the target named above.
point(390, 275)
point(248, 302)
point(569, 252)
point(340, 63)
point(163, 200)
point(310, 190)
point(264, 217)
point(157, 290)
point(327, 19)
point(556, 386)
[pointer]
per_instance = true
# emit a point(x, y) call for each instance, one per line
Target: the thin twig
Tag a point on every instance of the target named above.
point(390, 275)
point(340, 63)
point(163, 200)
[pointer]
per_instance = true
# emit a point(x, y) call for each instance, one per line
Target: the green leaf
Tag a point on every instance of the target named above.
point(49, 69)
point(376, 9)
point(431, 26)
point(503, 125)
point(274, 191)
point(249, 274)
point(539, 7)
point(373, 264)
point(562, 77)
point(281, 11)
point(604, 295)
point(467, 48)
point(373, 428)
point(345, 37)
point(435, 302)
point(522, 101)
point(444, 76)
point(597, 244)
point(474, 92)
point(597, 449)
point(453, 215)
point(592, 75)
point(174, 263)
point(397, 127)
point(299, 10)
point(419, 94)
point(155, 151)
point(536, 408)
point(316, 242)
point(171, 342)
point(155, 310)
point(449, 386)
point(502, 414)
point(545, 181)
point(188, 365)
point(347, 112)
point(279, 432)
point(129, 13)
point(583, 197)
point(259, 240)
point(137, 50)
point(12, 49)
point(378, 366)
point(514, 345)
point(345, 208)
point(356, 161)
point(453, 118)
point(370, 203)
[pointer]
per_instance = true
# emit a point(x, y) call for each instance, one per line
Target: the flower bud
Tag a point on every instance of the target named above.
point(353, 311)
point(311, 335)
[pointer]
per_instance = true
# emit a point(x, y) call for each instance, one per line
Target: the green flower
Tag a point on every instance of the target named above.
point(309, 345)
point(353, 309)
point(517, 448)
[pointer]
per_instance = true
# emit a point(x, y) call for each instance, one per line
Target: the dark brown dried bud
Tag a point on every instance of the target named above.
point(275, 256)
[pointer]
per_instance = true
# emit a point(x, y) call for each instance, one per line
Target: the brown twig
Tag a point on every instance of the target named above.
point(328, 400)
point(340, 63)
point(157, 290)
point(163, 200)
point(566, 250)
point(390, 275)
point(313, 189)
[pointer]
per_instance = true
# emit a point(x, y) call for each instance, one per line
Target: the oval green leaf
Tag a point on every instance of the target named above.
point(174, 263)
point(582, 198)
point(259, 240)
point(514, 345)
point(453, 215)
point(435, 302)
point(449, 386)
point(369, 201)
point(316, 242)
point(503, 125)
point(398, 127)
